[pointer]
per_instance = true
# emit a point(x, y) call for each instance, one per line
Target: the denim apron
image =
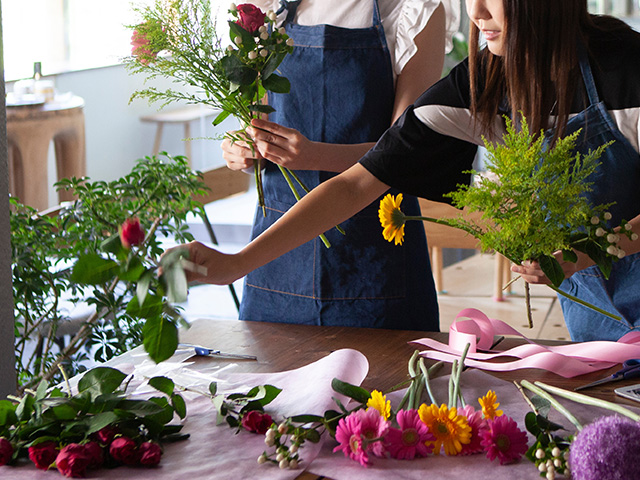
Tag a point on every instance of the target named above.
point(616, 180)
point(342, 91)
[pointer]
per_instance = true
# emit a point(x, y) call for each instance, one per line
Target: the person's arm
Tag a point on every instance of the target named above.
point(291, 149)
point(532, 273)
point(320, 210)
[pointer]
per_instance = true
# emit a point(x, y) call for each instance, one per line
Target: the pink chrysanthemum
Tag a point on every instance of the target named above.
point(504, 440)
point(406, 442)
point(607, 448)
point(477, 423)
point(360, 433)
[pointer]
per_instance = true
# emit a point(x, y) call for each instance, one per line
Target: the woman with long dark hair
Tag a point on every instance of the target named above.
point(549, 60)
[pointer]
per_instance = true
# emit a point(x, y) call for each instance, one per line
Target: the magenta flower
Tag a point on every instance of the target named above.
point(361, 433)
point(406, 442)
point(503, 440)
point(478, 424)
point(607, 448)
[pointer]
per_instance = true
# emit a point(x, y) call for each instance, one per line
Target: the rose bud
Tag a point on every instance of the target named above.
point(105, 435)
point(150, 454)
point(43, 454)
point(257, 422)
point(124, 450)
point(72, 461)
point(131, 233)
point(6, 451)
point(251, 17)
point(95, 454)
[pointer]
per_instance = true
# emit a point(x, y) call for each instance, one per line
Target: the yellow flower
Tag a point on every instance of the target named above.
point(489, 404)
point(380, 403)
point(450, 429)
point(391, 218)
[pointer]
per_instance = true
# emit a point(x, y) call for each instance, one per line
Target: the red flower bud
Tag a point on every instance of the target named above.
point(105, 435)
point(72, 461)
point(6, 451)
point(43, 454)
point(150, 454)
point(251, 17)
point(257, 422)
point(131, 233)
point(125, 451)
point(95, 454)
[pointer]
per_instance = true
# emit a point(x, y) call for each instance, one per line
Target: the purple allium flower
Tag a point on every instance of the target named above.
point(607, 448)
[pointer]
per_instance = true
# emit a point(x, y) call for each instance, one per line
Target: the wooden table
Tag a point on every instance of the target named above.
point(30, 130)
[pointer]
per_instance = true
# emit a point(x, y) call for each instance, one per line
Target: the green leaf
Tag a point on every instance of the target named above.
point(144, 408)
point(160, 338)
point(213, 388)
point(179, 405)
point(248, 40)
point(262, 108)
point(7, 413)
point(101, 380)
point(552, 269)
point(264, 393)
point(358, 394)
point(277, 84)
point(92, 269)
point(64, 412)
point(153, 306)
point(272, 64)
point(99, 421)
point(569, 256)
point(113, 244)
point(221, 117)
point(162, 384)
point(142, 287)
point(306, 419)
point(531, 424)
point(165, 413)
point(132, 270)
point(236, 71)
point(25, 408)
point(173, 275)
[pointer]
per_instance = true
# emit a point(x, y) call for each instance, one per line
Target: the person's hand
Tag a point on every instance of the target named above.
point(284, 146)
point(531, 272)
point(238, 154)
point(207, 265)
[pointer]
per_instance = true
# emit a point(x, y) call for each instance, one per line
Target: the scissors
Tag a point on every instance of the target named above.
point(206, 352)
point(630, 369)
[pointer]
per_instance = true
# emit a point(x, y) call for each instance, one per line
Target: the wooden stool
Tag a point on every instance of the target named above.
point(183, 116)
point(30, 130)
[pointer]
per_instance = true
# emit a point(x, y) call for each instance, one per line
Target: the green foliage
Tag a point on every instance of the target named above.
point(77, 254)
point(100, 401)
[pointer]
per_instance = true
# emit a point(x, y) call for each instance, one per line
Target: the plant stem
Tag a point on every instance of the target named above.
point(583, 303)
point(558, 406)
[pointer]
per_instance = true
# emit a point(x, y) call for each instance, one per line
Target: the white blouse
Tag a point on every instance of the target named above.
point(402, 20)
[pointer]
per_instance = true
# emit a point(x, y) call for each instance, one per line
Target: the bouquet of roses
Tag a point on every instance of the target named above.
point(177, 39)
point(532, 205)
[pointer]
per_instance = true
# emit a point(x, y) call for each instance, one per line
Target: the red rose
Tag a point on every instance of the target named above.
point(131, 233)
point(251, 17)
point(105, 435)
point(150, 454)
point(125, 451)
point(43, 454)
point(257, 422)
point(95, 454)
point(72, 461)
point(6, 451)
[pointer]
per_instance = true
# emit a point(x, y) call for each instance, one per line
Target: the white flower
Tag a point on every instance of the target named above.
point(293, 464)
point(230, 48)
point(540, 454)
point(284, 464)
point(621, 253)
point(282, 428)
point(290, 42)
point(237, 40)
point(264, 36)
point(600, 232)
point(607, 216)
point(282, 31)
point(293, 448)
point(232, 7)
point(634, 236)
point(612, 250)
point(556, 452)
point(612, 238)
point(551, 475)
point(271, 15)
point(595, 220)
point(280, 457)
point(264, 52)
point(262, 29)
point(627, 226)
point(252, 55)
point(542, 467)
point(557, 463)
point(262, 459)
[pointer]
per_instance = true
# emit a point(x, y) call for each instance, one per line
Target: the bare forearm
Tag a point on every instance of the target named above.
point(332, 157)
point(326, 206)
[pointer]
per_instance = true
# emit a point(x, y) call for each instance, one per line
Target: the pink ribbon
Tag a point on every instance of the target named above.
point(566, 360)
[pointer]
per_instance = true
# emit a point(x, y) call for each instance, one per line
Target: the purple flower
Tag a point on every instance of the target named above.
point(607, 448)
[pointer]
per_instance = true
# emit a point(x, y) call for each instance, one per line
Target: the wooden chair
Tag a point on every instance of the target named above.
point(442, 236)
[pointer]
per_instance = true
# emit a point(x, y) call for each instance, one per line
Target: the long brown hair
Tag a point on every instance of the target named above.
point(537, 73)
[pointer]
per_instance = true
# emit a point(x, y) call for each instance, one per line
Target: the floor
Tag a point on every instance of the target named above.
point(468, 283)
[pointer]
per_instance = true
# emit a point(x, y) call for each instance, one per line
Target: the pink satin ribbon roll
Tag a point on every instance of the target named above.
point(566, 360)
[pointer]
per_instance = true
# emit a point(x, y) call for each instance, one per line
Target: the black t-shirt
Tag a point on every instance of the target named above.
point(425, 152)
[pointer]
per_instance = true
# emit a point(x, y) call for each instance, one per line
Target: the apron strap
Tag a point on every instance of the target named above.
point(376, 14)
point(587, 75)
point(291, 7)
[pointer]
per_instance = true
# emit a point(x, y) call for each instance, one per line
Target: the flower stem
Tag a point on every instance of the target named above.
point(583, 303)
point(558, 406)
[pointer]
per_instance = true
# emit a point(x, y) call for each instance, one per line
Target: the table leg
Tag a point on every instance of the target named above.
point(70, 155)
point(25, 158)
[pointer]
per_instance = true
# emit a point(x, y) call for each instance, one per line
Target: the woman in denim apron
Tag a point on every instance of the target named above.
point(612, 182)
point(342, 91)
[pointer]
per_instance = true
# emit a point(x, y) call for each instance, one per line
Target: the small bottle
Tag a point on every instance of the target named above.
point(42, 88)
point(37, 71)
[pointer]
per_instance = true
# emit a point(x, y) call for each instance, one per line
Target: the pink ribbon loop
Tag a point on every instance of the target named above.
point(474, 327)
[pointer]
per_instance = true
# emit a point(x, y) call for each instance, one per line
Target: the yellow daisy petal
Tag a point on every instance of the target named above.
point(450, 430)
point(489, 404)
point(392, 219)
point(380, 403)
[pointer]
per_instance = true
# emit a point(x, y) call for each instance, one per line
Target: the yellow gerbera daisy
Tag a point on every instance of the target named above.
point(391, 218)
point(380, 403)
point(489, 404)
point(450, 429)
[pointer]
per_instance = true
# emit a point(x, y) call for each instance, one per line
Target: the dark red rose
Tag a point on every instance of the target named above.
point(257, 422)
point(95, 454)
point(72, 461)
point(131, 233)
point(6, 451)
point(125, 451)
point(43, 454)
point(251, 17)
point(105, 435)
point(150, 454)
